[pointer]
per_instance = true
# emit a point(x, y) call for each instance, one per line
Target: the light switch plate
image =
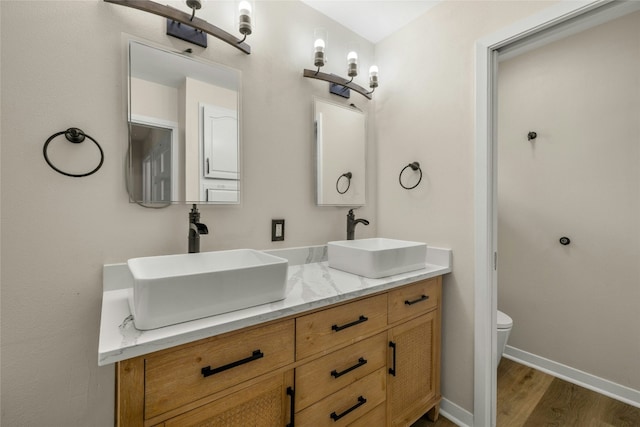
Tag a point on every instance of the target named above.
point(277, 230)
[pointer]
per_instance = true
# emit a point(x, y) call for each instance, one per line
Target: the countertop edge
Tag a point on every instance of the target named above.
point(119, 340)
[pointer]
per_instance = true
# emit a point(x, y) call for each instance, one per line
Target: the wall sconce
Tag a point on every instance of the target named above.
point(189, 27)
point(319, 47)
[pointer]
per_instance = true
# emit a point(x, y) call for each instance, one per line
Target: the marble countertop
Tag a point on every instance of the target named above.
point(311, 284)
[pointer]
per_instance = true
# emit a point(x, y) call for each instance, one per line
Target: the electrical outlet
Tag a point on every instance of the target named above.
point(277, 230)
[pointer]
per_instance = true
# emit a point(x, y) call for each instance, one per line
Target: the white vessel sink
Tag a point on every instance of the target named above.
point(377, 257)
point(177, 288)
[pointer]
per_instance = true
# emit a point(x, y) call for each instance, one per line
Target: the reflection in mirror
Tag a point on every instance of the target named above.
point(340, 144)
point(184, 144)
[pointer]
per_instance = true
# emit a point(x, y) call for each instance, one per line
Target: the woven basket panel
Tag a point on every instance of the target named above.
point(413, 367)
point(264, 410)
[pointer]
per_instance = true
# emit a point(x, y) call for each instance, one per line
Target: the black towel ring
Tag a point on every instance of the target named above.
point(347, 175)
point(415, 166)
point(75, 136)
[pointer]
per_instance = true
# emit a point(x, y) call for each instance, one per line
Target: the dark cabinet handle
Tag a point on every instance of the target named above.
point(392, 370)
point(422, 298)
point(207, 371)
point(207, 166)
point(292, 395)
point(348, 325)
point(361, 361)
point(361, 401)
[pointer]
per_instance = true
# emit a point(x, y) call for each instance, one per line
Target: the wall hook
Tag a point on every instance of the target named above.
point(415, 166)
point(532, 135)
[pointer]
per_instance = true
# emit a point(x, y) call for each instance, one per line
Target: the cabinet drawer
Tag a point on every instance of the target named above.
point(337, 370)
point(343, 324)
point(176, 378)
point(413, 300)
point(376, 417)
point(347, 405)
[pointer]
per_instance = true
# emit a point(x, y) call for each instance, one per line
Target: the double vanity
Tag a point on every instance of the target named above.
point(333, 348)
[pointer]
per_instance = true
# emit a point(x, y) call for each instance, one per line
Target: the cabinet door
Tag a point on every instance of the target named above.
point(265, 404)
point(413, 381)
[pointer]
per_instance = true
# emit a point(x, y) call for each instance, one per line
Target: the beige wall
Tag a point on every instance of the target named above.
point(62, 66)
point(154, 100)
point(425, 113)
point(577, 304)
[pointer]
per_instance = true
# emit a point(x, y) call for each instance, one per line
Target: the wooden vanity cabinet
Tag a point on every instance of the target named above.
point(353, 364)
point(413, 383)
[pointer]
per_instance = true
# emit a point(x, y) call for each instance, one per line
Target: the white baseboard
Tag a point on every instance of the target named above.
point(575, 376)
point(456, 414)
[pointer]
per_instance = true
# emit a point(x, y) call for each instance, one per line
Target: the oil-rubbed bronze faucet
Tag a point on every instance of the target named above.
point(351, 224)
point(196, 228)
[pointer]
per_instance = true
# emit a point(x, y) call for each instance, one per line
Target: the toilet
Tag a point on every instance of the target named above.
point(504, 329)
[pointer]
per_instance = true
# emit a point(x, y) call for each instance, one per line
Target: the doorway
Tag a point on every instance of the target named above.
point(555, 22)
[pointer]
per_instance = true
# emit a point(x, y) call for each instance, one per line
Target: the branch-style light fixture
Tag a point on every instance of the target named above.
point(319, 47)
point(194, 25)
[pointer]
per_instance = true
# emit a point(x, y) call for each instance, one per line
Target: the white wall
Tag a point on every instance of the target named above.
point(62, 66)
point(576, 304)
point(425, 113)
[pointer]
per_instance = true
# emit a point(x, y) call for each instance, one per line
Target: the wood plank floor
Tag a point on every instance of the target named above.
point(530, 398)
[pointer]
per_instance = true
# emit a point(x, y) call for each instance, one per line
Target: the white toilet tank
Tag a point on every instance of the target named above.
point(504, 329)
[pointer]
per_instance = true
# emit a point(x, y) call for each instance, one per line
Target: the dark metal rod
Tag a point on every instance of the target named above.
point(292, 408)
point(348, 325)
point(422, 298)
point(361, 401)
point(361, 361)
point(392, 370)
point(207, 371)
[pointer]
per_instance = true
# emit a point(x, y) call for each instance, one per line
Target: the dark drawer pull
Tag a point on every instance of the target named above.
point(422, 298)
point(361, 361)
point(392, 371)
point(361, 401)
point(207, 371)
point(348, 325)
point(292, 395)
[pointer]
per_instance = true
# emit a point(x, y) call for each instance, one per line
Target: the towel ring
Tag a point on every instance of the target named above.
point(75, 136)
point(415, 166)
point(347, 175)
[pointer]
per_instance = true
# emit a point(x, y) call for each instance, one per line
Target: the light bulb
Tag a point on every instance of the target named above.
point(352, 63)
point(373, 76)
point(319, 45)
point(244, 17)
point(245, 8)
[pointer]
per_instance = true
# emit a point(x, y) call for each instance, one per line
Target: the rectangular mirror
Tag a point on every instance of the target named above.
point(184, 128)
point(340, 134)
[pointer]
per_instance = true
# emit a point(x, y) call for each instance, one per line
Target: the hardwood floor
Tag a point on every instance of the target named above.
point(442, 422)
point(530, 398)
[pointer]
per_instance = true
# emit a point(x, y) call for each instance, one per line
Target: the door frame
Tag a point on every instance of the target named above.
point(521, 34)
point(139, 119)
